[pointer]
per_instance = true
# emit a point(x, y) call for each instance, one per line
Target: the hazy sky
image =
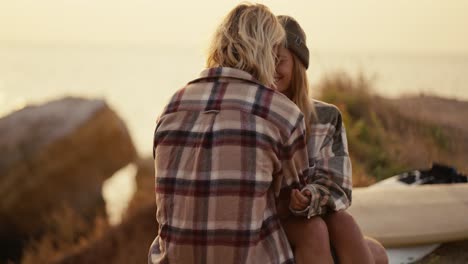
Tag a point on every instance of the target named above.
point(332, 25)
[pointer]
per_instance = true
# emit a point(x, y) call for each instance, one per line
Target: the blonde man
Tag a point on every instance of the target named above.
point(223, 148)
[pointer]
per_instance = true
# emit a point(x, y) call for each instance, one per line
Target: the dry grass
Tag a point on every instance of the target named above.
point(386, 137)
point(67, 230)
point(449, 131)
point(364, 115)
point(126, 243)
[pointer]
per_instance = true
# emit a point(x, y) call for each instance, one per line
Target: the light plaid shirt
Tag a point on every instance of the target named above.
point(330, 173)
point(224, 147)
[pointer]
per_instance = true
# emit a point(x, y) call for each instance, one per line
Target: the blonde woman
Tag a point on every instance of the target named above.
point(328, 193)
point(223, 147)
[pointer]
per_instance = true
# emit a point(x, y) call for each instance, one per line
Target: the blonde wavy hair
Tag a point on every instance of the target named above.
point(299, 90)
point(247, 40)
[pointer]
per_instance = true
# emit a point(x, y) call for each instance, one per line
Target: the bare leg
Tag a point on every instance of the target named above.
point(347, 239)
point(309, 239)
point(378, 251)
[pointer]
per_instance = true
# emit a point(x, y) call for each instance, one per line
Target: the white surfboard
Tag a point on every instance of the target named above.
point(409, 254)
point(411, 220)
point(404, 255)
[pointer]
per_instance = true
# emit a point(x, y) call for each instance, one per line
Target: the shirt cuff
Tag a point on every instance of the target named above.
point(319, 195)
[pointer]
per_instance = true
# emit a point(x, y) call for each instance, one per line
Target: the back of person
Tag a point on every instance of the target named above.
point(222, 146)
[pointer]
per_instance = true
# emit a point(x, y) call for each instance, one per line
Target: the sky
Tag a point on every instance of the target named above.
point(420, 26)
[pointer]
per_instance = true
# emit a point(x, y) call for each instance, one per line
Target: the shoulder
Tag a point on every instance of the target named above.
point(326, 113)
point(280, 110)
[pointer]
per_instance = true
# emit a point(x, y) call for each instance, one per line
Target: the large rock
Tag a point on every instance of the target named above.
point(55, 154)
point(144, 179)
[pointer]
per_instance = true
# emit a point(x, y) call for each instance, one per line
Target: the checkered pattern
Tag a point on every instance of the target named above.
point(330, 173)
point(224, 147)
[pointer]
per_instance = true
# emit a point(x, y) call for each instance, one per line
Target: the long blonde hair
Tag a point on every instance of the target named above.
point(300, 88)
point(247, 39)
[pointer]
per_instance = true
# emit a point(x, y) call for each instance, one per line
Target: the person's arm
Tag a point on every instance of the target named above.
point(329, 185)
point(294, 167)
point(295, 158)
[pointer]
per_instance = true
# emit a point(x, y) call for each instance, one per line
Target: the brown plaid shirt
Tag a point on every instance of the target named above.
point(224, 147)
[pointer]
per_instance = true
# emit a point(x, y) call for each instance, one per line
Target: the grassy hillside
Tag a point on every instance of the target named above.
point(389, 136)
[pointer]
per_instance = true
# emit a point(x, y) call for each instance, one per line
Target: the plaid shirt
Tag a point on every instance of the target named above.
point(224, 147)
point(330, 174)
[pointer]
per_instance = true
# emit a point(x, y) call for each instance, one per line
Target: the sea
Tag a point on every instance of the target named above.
point(137, 81)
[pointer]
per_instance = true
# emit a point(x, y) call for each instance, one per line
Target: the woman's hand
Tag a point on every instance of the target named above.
point(299, 201)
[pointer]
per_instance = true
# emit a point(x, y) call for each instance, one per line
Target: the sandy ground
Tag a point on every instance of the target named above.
point(453, 253)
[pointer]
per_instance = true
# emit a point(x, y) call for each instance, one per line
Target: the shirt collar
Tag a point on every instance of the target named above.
point(226, 72)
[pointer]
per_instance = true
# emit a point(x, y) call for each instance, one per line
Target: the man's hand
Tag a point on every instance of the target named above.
point(299, 201)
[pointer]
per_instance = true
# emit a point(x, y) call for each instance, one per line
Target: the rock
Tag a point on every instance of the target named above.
point(55, 154)
point(145, 175)
point(144, 179)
